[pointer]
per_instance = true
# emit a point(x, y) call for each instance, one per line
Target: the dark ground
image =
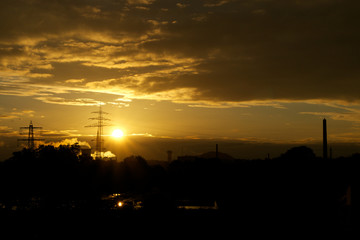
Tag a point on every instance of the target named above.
point(136, 224)
point(51, 193)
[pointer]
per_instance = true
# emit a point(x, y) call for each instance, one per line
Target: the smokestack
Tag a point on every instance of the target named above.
point(324, 140)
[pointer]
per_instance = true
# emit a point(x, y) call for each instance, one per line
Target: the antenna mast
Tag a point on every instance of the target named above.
point(31, 139)
point(99, 125)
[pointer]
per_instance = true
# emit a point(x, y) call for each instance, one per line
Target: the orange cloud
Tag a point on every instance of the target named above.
point(241, 51)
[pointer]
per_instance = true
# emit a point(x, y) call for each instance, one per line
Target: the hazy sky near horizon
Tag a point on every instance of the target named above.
point(254, 70)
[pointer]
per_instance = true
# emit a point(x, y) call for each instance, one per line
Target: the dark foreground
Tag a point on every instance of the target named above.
point(179, 223)
point(51, 193)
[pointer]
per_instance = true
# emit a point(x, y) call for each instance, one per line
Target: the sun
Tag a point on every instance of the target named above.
point(117, 133)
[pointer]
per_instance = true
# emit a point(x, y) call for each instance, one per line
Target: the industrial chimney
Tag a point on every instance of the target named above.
point(324, 140)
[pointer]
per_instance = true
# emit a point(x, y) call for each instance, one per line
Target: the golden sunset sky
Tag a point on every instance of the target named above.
point(260, 71)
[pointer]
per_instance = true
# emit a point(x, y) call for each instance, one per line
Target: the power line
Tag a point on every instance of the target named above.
point(99, 125)
point(30, 139)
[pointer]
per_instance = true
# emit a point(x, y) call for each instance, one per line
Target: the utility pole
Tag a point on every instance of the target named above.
point(99, 125)
point(30, 139)
point(325, 148)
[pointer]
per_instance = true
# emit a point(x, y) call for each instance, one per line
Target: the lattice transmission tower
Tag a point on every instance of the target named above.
point(30, 133)
point(101, 122)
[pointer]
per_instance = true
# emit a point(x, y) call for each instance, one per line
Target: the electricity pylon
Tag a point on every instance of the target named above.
point(30, 139)
point(100, 124)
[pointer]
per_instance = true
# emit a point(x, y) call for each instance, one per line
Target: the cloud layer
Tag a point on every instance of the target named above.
point(219, 52)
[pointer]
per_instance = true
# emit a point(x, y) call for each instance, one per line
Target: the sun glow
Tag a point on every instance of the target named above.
point(117, 133)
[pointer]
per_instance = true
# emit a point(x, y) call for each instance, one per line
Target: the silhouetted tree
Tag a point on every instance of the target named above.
point(293, 186)
point(46, 171)
point(299, 153)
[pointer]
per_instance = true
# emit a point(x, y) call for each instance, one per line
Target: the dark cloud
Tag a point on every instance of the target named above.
point(222, 50)
point(4, 130)
point(53, 19)
point(289, 51)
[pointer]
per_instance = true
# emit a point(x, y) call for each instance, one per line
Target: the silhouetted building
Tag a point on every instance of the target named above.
point(217, 155)
point(324, 140)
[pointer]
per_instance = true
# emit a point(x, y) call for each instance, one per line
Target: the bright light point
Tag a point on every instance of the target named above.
point(117, 133)
point(120, 204)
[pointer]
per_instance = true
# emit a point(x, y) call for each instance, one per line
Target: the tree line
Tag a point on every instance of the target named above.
point(295, 184)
